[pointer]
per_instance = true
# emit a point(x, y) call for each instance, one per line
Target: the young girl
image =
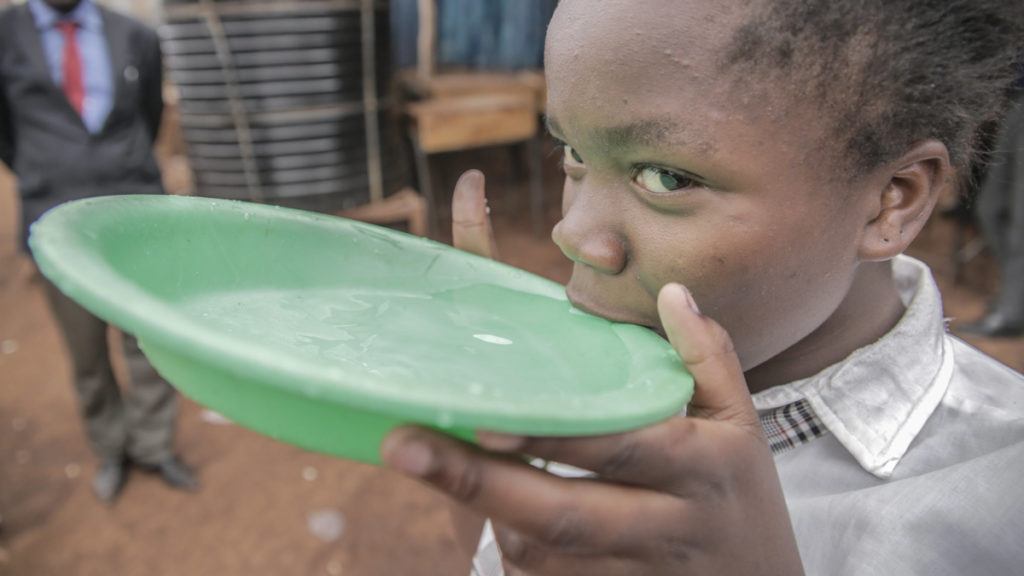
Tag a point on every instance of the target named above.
point(743, 177)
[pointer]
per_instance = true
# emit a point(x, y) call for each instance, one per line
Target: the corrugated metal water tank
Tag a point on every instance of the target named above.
point(273, 104)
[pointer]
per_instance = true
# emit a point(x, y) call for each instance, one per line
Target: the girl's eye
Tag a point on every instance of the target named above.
point(661, 181)
point(572, 153)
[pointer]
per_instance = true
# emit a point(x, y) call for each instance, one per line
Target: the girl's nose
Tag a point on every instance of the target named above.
point(589, 243)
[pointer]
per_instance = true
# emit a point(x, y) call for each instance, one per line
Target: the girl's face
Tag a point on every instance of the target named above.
point(675, 174)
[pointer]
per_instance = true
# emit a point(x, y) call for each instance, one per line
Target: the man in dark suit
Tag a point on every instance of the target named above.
point(80, 107)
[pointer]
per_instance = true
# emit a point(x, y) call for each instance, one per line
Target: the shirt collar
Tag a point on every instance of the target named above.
point(86, 14)
point(876, 401)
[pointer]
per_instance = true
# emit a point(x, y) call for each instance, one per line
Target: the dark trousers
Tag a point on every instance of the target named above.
point(138, 423)
point(1001, 212)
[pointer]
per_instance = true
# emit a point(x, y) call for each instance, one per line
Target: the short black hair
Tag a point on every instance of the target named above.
point(889, 73)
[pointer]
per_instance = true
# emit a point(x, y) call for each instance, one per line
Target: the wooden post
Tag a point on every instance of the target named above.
point(370, 104)
point(239, 113)
point(426, 39)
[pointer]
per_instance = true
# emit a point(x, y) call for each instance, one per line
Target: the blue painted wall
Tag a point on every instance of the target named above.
point(476, 34)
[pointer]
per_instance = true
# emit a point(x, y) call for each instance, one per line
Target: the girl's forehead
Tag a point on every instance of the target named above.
point(632, 31)
point(657, 66)
point(628, 52)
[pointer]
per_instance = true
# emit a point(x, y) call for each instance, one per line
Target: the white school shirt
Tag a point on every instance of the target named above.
point(906, 458)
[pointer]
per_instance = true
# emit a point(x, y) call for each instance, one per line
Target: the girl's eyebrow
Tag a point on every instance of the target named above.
point(650, 133)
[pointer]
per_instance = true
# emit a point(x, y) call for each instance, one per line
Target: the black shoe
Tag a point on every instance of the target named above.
point(174, 473)
point(109, 479)
point(995, 325)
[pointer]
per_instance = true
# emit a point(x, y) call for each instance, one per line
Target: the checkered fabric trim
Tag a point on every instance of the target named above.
point(790, 426)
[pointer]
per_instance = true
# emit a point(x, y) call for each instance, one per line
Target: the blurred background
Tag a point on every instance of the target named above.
point(370, 109)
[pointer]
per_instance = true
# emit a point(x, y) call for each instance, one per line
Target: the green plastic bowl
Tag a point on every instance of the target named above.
point(327, 333)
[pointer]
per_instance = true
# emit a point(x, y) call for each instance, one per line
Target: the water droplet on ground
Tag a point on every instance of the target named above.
point(310, 474)
point(326, 524)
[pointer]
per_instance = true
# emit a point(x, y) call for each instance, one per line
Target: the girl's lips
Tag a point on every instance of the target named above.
point(607, 312)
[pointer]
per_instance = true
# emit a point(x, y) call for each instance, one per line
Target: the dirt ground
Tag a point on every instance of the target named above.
point(265, 507)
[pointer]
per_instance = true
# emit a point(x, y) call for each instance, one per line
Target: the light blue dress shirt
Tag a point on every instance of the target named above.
point(97, 77)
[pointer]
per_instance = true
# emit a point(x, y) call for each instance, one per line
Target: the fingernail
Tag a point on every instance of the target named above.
point(414, 458)
point(690, 300)
point(499, 442)
point(472, 177)
point(688, 297)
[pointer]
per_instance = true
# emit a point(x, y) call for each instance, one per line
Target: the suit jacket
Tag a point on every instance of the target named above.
point(43, 139)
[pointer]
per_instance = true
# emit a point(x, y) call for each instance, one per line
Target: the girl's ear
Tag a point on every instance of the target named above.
point(898, 211)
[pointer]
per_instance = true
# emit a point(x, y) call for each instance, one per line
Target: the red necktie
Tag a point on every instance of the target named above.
point(73, 88)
